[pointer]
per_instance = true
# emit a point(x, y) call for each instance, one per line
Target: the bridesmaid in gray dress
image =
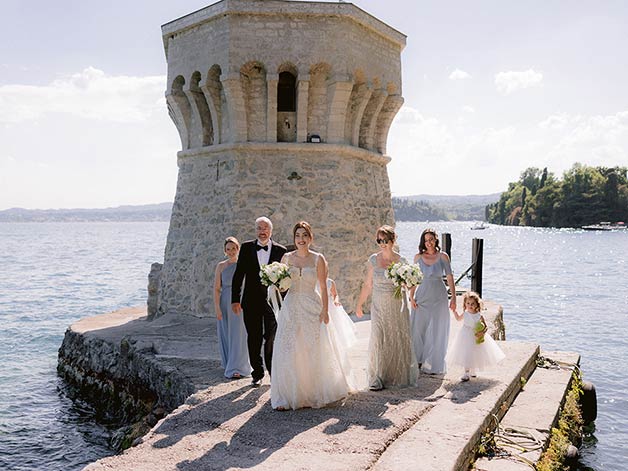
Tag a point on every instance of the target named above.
point(430, 317)
point(231, 331)
point(391, 361)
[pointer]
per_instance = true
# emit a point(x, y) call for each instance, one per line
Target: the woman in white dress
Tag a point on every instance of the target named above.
point(310, 368)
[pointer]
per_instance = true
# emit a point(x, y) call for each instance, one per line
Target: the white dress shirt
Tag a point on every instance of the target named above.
point(264, 255)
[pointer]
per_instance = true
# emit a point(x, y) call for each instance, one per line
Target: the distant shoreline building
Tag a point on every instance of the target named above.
point(283, 109)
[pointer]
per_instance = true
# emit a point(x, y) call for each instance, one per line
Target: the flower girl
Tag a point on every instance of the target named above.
point(472, 349)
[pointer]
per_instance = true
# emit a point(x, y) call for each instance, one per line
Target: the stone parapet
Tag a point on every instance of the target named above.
point(269, 7)
point(238, 48)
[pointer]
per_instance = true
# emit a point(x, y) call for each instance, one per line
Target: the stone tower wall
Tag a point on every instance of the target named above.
point(223, 68)
point(343, 192)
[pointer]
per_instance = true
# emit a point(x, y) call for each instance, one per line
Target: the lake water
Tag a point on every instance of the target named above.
point(564, 289)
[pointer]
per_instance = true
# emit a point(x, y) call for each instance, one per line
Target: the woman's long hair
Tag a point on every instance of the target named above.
point(422, 247)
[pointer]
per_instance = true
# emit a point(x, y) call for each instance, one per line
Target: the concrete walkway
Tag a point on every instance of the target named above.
point(227, 424)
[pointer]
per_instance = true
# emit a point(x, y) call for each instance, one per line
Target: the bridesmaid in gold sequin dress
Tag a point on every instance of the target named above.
point(391, 361)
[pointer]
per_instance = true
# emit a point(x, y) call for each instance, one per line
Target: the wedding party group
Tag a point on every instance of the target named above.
point(283, 307)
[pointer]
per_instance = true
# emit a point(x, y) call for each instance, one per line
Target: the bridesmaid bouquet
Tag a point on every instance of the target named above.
point(403, 275)
point(276, 274)
point(479, 328)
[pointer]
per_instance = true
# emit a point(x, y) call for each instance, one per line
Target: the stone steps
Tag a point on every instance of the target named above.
point(445, 438)
point(534, 412)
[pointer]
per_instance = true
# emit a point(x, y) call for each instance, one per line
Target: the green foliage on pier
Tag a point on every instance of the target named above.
point(568, 430)
point(584, 195)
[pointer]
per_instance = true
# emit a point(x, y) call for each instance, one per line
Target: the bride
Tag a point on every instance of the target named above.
point(310, 368)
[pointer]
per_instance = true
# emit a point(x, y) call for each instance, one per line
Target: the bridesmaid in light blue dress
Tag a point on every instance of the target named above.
point(231, 331)
point(430, 319)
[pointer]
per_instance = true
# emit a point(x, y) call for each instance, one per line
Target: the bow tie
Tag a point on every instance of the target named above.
point(261, 247)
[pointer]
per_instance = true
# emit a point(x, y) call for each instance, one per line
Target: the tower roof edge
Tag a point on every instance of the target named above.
point(270, 7)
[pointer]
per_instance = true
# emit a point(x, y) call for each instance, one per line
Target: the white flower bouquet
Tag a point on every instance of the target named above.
point(276, 274)
point(404, 275)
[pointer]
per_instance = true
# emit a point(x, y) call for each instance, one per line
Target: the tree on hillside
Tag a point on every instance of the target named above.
point(531, 179)
point(585, 195)
point(582, 196)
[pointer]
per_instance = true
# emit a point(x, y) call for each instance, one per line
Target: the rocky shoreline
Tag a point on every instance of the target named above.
point(121, 373)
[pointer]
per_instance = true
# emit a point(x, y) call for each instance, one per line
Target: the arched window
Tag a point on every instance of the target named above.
point(286, 92)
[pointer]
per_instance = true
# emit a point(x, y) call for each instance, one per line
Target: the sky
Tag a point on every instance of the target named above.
point(490, 88)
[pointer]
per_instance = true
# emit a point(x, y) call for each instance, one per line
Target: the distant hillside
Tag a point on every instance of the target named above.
point(148, 212)
point(407, 208)
point(455, 207)
point(456, 199)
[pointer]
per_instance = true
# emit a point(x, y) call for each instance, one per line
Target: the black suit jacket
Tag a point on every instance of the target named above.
point(247, 271)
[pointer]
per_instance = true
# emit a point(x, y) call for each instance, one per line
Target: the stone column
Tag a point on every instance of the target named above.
point(369, 120)
point(338, 93)
point(232, 86)
point(179, 110)
point(363, 97)
point(303, 86)
point(212, 97)
point(271, 109)
point(386, 116)
point(201, 133)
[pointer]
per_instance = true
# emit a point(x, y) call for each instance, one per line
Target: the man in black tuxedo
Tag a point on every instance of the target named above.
point(259, 318)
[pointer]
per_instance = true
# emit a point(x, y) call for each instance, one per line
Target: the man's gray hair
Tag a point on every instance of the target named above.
point(264, 219)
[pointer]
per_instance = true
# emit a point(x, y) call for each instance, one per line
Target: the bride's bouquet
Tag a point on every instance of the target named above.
point(404, 275)
point(276, 274)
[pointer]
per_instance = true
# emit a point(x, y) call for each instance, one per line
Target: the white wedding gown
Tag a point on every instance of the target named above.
point(310, 366)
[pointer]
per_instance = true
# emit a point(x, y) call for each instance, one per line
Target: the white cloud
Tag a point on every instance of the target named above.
point(71, 162)
point(459, 75)
point(424, 137)
point(438, 156)
point(558, 121)
point(94, 140)
point(434, 157)
point(594, 140)
point(468, 109)
point(489, 145)
point(89, 94)
point(511, 81)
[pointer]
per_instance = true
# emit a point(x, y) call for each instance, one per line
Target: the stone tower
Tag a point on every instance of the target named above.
point(283, 109)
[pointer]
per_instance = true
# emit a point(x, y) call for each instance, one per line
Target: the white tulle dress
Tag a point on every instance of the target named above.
point(310, 365)
point(340, 322)
point(472, 356)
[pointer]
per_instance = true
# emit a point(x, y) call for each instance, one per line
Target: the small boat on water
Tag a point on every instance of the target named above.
point(605, 226)
point(479, 226)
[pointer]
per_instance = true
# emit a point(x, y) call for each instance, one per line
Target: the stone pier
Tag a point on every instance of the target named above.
point(216, 423)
